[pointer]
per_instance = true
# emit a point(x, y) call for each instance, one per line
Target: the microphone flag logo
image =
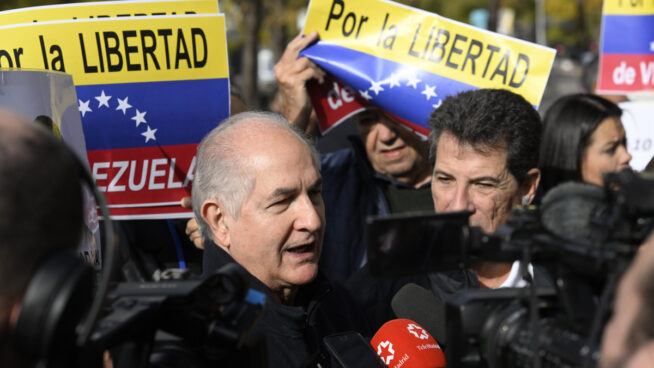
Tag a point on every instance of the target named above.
point(385, 351)
point(417, 331)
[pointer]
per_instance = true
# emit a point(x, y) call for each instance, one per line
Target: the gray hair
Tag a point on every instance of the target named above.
point(221, 171)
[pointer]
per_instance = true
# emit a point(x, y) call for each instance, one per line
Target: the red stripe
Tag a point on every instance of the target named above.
point(626, 73)
point(156, 184)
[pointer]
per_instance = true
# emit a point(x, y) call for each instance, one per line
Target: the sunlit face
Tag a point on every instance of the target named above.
point(607, 152)
point(278, 234)
point(480, 182)
point(393, 150)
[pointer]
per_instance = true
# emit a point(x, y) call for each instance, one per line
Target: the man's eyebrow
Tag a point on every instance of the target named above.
point(282, 192)
point(440, 172)
point(486, 178)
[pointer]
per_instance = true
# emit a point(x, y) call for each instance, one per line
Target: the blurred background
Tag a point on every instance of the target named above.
point(258, 31)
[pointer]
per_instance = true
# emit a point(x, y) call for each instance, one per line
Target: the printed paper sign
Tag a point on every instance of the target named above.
point(406, 61)
point(627, 47)
point(148, 90)
point(637, 120)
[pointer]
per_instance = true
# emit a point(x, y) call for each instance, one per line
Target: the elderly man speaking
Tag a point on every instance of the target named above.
point(257, 191)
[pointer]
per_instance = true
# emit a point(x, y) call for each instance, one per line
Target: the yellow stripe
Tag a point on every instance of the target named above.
point(107, 9)
point(628, 7)
point(87, 48)
point(407, 35)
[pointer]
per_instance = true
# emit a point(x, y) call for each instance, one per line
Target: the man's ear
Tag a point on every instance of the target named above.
point(530, 184)
point(215, 216)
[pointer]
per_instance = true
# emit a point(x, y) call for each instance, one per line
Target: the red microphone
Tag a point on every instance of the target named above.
point(402, 343)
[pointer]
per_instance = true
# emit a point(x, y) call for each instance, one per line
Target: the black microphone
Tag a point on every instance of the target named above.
point(567, 211)
point(420, 305)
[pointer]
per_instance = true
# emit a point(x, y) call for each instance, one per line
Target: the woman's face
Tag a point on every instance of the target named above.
point(607, 151)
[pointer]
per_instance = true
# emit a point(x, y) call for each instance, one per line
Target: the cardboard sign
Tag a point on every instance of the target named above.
point(406, 61)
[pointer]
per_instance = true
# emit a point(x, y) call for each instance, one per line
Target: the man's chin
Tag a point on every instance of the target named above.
point(304, 274)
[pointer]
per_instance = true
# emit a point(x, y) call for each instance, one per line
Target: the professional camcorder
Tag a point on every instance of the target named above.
point(584, 236)
point(172, 323)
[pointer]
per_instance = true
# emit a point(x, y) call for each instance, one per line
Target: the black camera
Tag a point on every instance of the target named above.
point(584, 236)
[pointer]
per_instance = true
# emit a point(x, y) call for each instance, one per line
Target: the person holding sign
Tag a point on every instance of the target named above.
point(386, 171)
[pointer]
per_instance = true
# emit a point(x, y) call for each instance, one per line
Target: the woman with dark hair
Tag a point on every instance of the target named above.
point(583, 137)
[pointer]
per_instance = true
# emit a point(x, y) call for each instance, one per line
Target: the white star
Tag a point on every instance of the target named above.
point(429, 91)
point(413, 81)
point(651, 46)
point(139, 117)
point(438, 104)
point(394, 80)
point(123, 105)
point(376, 87)
point(84, 107)
point(103, 100)
point(149, 134)
point(365, 95)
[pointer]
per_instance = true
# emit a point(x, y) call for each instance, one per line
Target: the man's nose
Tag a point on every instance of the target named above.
point(309, 216)
point(461, 201)
point(386, 133)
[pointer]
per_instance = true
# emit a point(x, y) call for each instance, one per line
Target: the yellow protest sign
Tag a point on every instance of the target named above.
point(121, 50)
point(107, 9)
point(466, 55)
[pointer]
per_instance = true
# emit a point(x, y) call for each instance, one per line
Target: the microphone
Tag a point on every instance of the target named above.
point(567, 210)
point(419, 304)
point(404, 343)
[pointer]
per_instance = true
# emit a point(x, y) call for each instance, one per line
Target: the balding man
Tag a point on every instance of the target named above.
point(41, 212)
point(257, 194)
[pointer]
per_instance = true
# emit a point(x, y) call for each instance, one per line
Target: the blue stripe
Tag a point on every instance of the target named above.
point(181, 111)
point(358, 70)
point(628, 34)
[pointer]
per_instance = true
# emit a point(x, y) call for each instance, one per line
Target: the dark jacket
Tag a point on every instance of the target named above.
point(294, 334)
point(350, 194)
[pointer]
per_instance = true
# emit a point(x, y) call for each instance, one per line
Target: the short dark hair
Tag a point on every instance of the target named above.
point(491, 118)
point(567, 130)
point(40, 202)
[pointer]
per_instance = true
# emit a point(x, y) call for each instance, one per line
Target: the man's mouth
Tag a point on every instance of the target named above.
point(307, 248)
point(393, 152)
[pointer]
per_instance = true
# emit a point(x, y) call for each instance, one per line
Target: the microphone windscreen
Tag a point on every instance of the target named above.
point(421, 305)
point(566, 210)
point(404, 343)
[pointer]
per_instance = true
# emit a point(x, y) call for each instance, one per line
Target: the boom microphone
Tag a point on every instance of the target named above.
point(404, 343)
point(567, 210)
point(419, 304)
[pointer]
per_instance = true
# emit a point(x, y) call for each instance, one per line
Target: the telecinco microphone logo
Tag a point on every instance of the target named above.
point(385, 351)
point(417, 331)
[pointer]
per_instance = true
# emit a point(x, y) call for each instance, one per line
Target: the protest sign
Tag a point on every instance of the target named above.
point(148, 88)
point(107, 9)
point(406, 61)
point(626, 62)
point(637, 121)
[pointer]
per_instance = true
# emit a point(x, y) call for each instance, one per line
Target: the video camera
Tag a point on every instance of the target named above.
point(171, 323)
point(584, 236)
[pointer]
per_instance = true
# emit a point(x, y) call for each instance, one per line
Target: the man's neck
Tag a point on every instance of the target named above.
point(491, 274)
point(285, 296)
